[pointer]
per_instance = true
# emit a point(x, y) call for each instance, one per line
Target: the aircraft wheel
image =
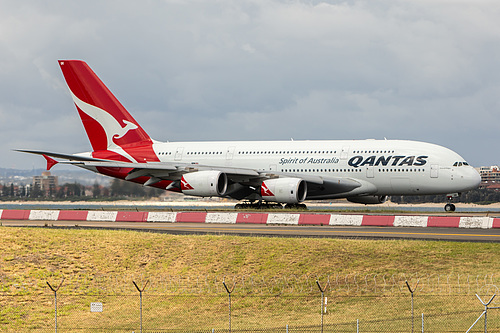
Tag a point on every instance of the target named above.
point(296, 206)
point(449, 207)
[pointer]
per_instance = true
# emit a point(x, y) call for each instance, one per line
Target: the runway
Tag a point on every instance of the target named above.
point(356, 232)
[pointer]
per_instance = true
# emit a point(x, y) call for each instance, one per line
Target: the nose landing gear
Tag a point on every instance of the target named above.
point(449, 207)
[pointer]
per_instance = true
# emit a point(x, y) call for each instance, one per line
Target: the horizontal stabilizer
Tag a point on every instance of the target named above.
point(59, 155)
point(50, 162)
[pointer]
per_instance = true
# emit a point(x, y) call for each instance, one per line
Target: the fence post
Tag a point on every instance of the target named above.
point(229, 291)
point(322, 290)
point(411, 292)
point(55, 299)
point(484, 313)
point(140, 298)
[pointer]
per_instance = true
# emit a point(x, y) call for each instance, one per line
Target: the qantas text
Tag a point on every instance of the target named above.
point(359, 161)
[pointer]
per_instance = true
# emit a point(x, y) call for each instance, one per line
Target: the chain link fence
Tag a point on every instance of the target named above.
point(349, 303)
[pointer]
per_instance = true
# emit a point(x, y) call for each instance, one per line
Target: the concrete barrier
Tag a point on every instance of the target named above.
point(411, 221)
point(131, 216)
point(195, 217)
point(444, 221)
point(477, 222)
point(257, 218)
point(15, 214)
point(314, 219)
point(44, 215)
point(221, 218)
point(102, 216)
point(378, 220)
point(348, 220)
point(73, 215)
point(292, 219)
point(161, 217)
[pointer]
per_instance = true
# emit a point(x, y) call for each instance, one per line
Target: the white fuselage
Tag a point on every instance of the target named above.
point(281, 172)
point(385, 167)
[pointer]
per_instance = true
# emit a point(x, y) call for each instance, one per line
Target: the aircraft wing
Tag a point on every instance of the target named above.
point(246, 177)
point(323, 185)
point(173, 171)
point(151, 169)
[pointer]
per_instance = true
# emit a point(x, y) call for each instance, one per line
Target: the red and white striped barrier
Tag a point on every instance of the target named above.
point(479, 222)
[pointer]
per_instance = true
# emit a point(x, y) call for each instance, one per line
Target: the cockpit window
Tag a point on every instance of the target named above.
point(459, 164)
point(465, 163)
point(455, 164)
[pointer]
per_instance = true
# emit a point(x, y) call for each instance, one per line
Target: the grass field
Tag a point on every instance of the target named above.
point(30, 257)
point(42, 253)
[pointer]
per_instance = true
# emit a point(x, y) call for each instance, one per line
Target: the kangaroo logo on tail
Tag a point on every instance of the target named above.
point(109, 124)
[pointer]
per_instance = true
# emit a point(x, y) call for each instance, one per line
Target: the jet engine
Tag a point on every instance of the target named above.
point(369, 199)
point(210, 183)
point(284, 190)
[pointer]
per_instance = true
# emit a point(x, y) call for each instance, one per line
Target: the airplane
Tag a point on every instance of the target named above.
point(257, 173)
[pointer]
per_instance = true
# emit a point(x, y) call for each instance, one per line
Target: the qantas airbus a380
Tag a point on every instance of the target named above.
point(276, 172)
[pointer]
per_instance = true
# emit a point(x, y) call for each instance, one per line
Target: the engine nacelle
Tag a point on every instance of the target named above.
point(284, 190)
point(210, 183)
point(369, 199)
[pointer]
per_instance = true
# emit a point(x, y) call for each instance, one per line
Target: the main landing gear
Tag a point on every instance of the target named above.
point(258, 205)
point(296, 206)
point(267, 205)
point(449, 207)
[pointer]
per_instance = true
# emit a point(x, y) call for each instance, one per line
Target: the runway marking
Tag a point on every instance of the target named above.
point(340, 231)
point(309, 231)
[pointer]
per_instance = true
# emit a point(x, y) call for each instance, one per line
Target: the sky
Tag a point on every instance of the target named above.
point(425, 70)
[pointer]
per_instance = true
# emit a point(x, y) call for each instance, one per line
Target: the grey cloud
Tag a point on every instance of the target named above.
point(251, 70)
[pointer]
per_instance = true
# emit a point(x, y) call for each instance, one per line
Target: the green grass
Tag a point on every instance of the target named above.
point(40, 253)
point(185, 274)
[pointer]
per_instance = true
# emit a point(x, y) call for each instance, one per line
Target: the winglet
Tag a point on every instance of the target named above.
point(50, 161)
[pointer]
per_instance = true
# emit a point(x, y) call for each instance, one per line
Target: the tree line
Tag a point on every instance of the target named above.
point(123, 189)
point(118, 189)
point(478, 196)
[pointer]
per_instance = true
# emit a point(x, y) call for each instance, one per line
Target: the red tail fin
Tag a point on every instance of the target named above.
point(108, 124)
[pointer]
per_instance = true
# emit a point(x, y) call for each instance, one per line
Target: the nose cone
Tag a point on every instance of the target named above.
point(471, 179)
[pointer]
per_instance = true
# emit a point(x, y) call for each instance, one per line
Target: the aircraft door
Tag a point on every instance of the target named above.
point(369, 172)
point(178, 153)
point(434, 171)
point(344, 153)
point(230, 153)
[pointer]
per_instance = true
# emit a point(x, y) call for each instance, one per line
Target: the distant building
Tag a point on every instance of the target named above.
point(46, 183)
point(490, 176)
